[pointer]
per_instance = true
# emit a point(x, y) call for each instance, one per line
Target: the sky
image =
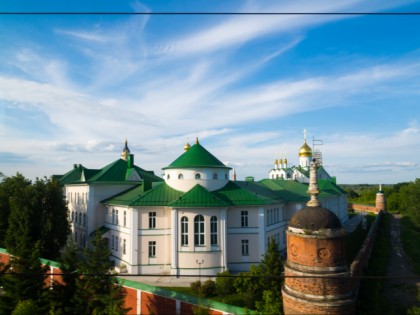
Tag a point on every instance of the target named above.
point(74, 87)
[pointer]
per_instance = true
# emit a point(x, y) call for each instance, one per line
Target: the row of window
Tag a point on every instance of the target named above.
point(80, 238)
point(196, 176)
point(77, 198)
point(199, 231)
point(115, 217)
point(115, 243)
point(273, 216)
point(78, 218)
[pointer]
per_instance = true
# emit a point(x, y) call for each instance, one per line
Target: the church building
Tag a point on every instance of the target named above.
point(195, 220)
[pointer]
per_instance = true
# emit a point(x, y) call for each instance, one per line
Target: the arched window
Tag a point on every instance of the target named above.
point(197, 176)
point(180, 176)
point(213, 230)
point(226, 176)
point(168, 176)
point(184, 231)
point(215, 176)
point(199, 230)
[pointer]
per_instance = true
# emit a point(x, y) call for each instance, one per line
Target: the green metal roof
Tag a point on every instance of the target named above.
point(160, 195)
point(198, 196)
point(117, 171)
point(235, 195)
point(195, 157)
point(126, 197)
point(238, 193)
point(288, 190)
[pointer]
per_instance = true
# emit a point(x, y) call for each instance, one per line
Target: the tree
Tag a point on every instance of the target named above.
point(264, 277)
point(97, 291)
point(51, 224)
point(46, 212)
point(63, 296)
point(25, 280)
point(10, 187)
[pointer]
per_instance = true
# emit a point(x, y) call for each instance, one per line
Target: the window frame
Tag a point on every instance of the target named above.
point(152, 249)
point(152, 219)
point(244, 218)
point(199, 230)
point(245, 247)
point(184, 231)
point(214, 239)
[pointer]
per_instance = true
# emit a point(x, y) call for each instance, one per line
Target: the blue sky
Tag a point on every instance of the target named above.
point(74, 87)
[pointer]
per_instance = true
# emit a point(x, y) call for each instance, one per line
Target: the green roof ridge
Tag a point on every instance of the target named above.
point(198, 196)
point(196, 156)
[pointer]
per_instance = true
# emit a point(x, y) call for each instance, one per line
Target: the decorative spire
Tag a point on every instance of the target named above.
point(313, 186)
point(304, 134)
point(196, 141)
point(234, 173)
point(126, 151)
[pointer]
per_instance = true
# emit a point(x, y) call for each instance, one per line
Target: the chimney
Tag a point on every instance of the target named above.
point(130, 161)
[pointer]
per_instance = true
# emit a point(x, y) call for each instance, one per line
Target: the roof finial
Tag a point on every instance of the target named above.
point(304, 134)
point(126, 151)
point(196, 140)
point(313, 186)
point(187, 145)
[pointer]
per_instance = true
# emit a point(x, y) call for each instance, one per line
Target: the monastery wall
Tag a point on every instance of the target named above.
point(146, 299)
point(362, 207)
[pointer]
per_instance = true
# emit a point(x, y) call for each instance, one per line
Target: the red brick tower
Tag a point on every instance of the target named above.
point(317, 275)
point(380, 202)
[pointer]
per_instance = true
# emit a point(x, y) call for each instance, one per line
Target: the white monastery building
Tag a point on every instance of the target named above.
point(194, 220)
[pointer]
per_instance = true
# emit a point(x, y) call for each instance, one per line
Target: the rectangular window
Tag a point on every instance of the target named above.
point(152, 220)
point(125, 218)
point(213, 231)
point(116, 217)
point(244, 218)
point(245, 247)
point(152, 249)
point(112, 243)
point(116, 243)
point(124, 246)
point(184, 231)
point(113, 216)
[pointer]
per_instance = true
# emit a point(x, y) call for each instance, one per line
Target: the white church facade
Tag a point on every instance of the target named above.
point(194, 220)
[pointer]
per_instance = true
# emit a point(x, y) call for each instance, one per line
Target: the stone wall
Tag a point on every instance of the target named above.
point(362, 207)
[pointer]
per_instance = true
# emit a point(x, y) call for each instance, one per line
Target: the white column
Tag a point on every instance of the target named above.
point(174, 228)
point(261, 231)
point(134, 240)
point(223, 237)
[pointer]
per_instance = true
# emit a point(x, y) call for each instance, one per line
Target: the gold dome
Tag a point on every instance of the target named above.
point(276, 162)
point(305, 150)
point(187, 146)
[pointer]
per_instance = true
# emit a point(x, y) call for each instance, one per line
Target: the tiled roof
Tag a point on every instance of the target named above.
point(198, 196)
point(196, 156)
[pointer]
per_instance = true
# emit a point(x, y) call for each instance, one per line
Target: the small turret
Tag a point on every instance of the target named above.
point(380, 202)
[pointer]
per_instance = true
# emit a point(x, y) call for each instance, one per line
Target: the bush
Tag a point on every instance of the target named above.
point(224, 283)
point(208, 289)
point(196, 286)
